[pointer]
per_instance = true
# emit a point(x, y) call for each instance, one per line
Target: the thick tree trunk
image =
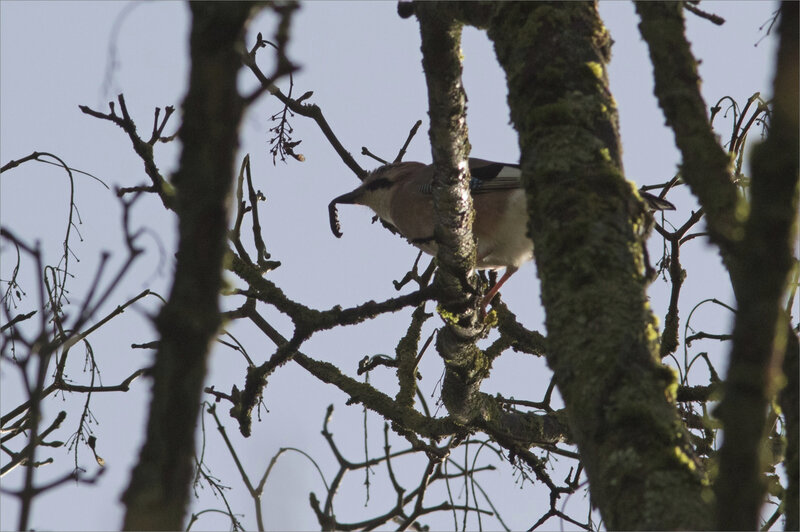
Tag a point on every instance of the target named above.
point(158, 494)
point(585, 223)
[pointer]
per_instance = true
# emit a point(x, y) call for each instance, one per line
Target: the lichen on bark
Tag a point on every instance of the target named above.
point(585, 221)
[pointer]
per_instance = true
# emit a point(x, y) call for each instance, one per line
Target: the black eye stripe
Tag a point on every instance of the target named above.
point(378, 183)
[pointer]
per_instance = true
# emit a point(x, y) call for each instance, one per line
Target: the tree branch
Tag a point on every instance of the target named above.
point(761, 327)
point(157, 495)
point(601, 342)
point(706, 167)
point(465, 364)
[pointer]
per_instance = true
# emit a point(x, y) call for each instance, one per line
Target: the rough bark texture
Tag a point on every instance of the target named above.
point(157, 496)
point(761, 328)
point(790, 403)
point(746, 234)
point(706, 167)
point(585, 223)
point(466, 366)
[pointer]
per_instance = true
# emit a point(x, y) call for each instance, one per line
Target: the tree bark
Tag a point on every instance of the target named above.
point(761, 331)
point(790, 403)
point(706, 167)
point(746, 234)
point(158, 494)
point(465, 365)
point(586, 222)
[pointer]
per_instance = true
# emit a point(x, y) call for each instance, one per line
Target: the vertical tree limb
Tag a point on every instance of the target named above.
point(441, 59)
point(760, 334)
point(585, 222)
point(746, 235)
point(706, 167)
point(157, 496)
point(790, 403)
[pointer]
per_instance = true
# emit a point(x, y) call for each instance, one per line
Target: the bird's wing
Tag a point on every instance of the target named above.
point(487, 176)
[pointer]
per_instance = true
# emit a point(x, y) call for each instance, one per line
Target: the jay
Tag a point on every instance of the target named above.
point(401, 195)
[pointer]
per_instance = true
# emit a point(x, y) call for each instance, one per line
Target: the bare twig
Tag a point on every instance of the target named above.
point(711, 17)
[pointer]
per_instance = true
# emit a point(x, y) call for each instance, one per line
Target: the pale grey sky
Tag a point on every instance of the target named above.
point(363, 64)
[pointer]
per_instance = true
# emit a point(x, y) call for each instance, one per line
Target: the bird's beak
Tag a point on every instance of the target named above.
point(349, 198)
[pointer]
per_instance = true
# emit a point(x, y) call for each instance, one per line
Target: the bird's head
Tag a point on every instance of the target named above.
point(375, 192)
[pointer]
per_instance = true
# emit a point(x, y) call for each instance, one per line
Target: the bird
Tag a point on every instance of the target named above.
point(401, 195)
